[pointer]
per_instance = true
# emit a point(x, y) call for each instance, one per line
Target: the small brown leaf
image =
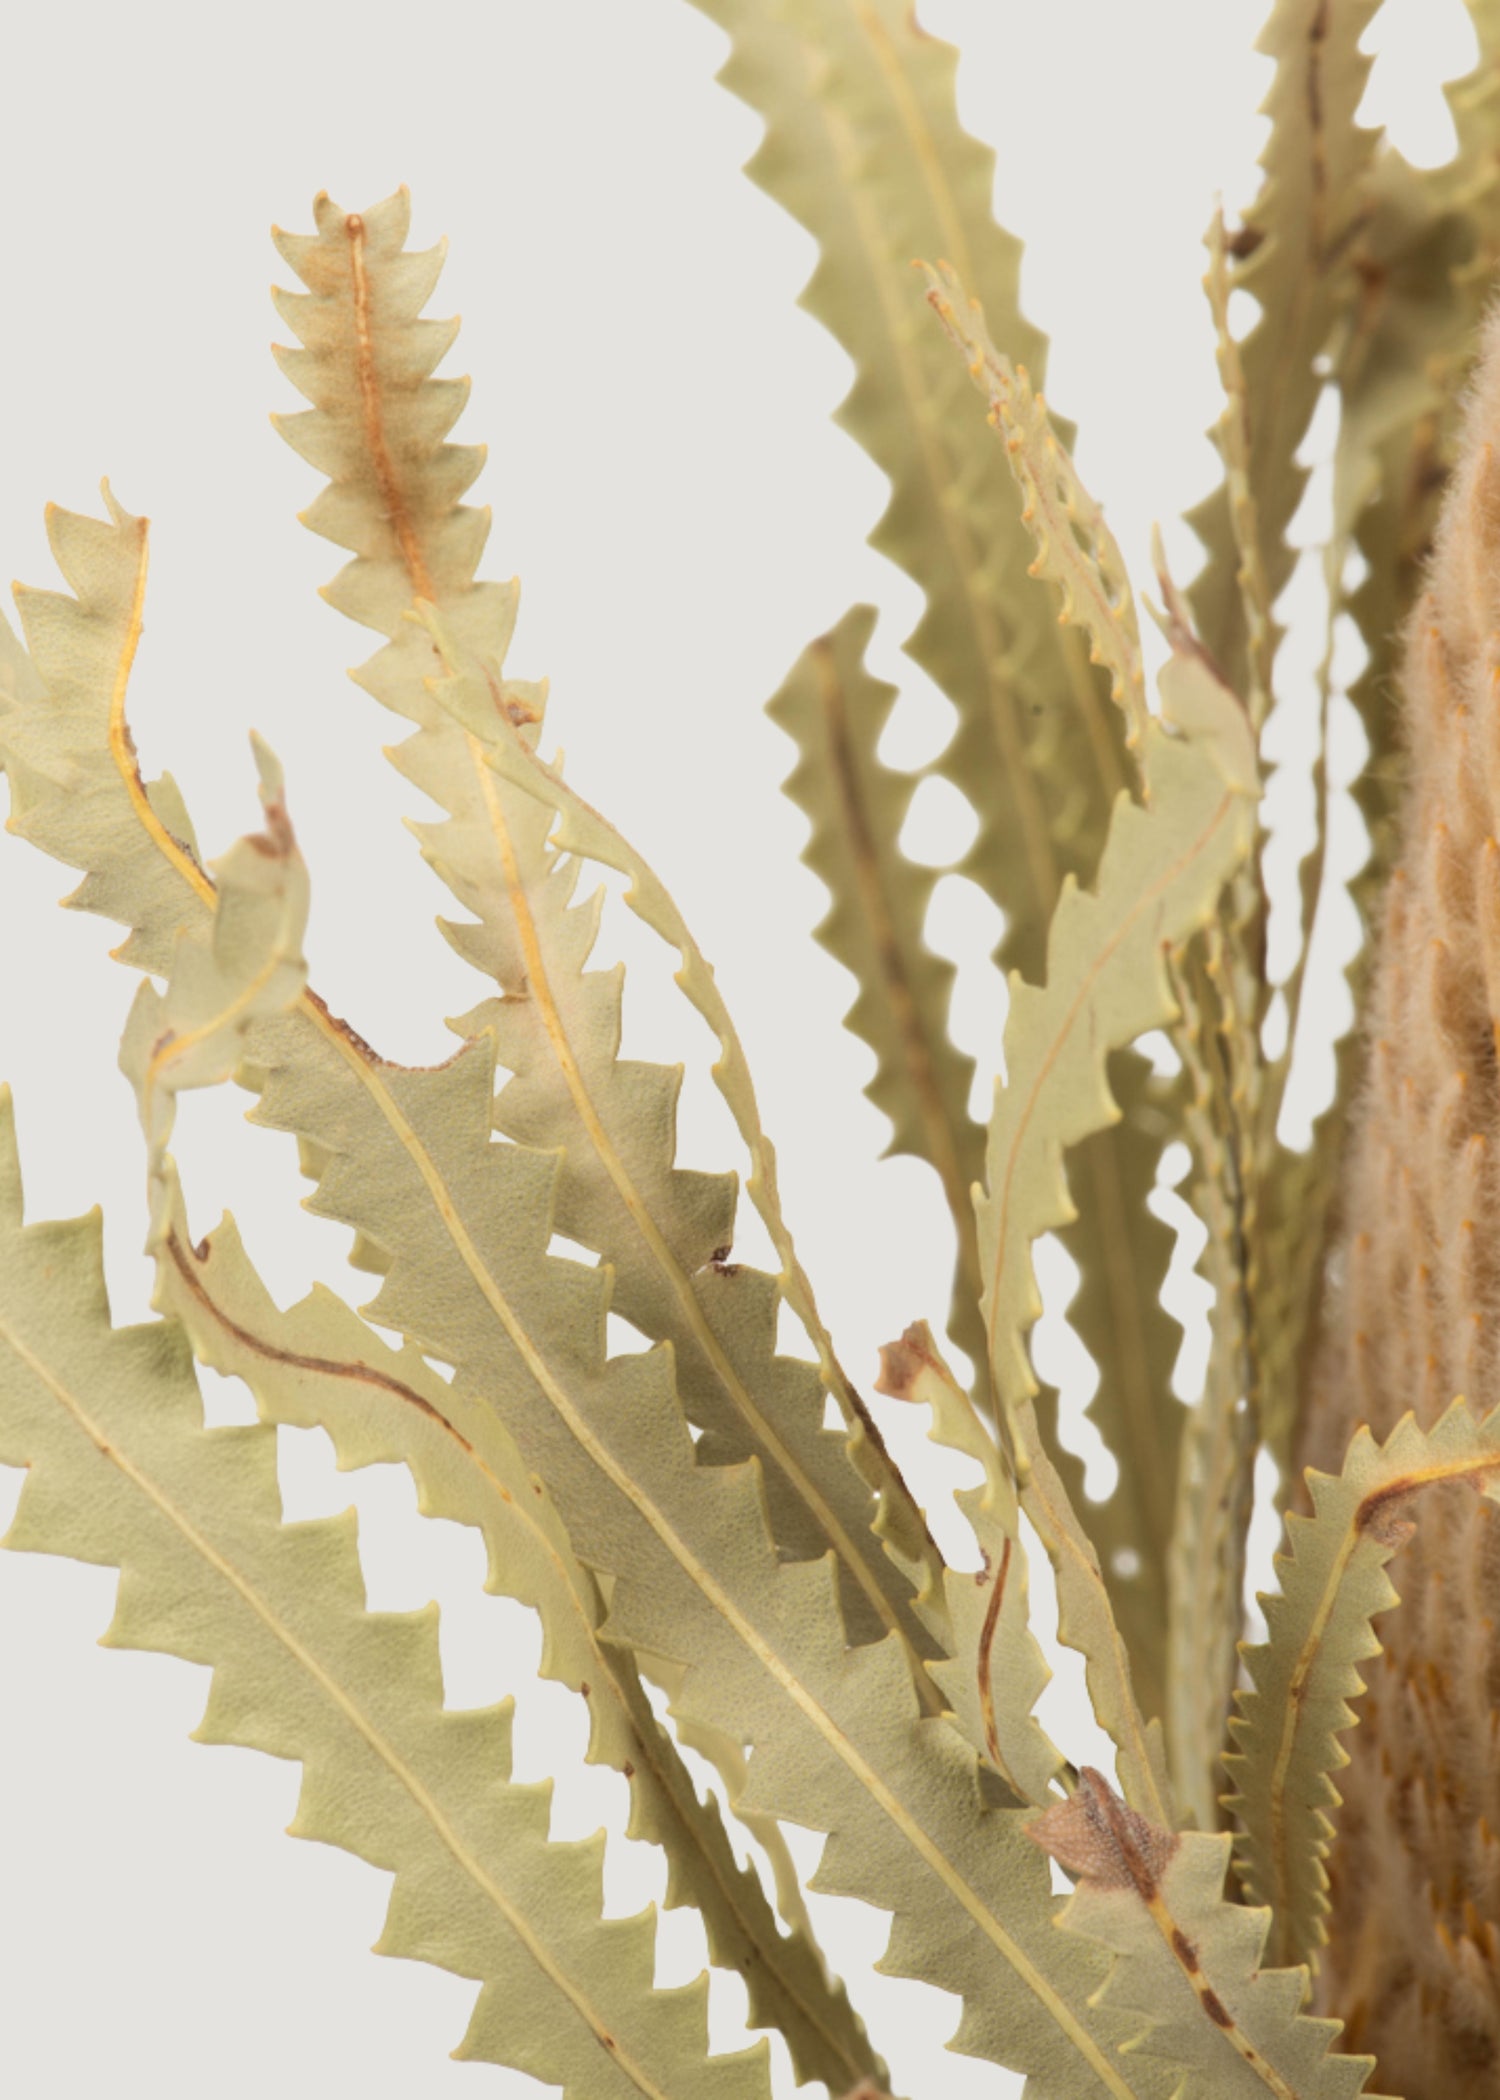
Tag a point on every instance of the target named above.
point(1095, 1836)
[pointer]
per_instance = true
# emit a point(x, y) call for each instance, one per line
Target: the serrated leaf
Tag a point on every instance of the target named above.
point(864, 147)
point(1161, 875)
point(1333, 1585)
point(1294, 253)
point(1216, 1469)
point(75, 788)
point(836, 1733)
point(583, 832)
point(318, 1365)
point(122, 1472)
point(1075, 549)
point(459, 1227)
point(1186, 1962)
point(1117, 1314)
point(997, 1671)
point(1400, 362)
point(242, 966)
point(666, 1232)
point(73, 775)
point(835, 710)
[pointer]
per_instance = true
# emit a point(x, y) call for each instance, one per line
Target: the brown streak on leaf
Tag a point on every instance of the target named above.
point(187, 1264)
point(985, 1659)
point(393, 496)
point(1317, 36)
point(1095, 1836)
point(1184, 1949)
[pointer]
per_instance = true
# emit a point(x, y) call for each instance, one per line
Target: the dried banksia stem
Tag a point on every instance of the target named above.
point(1413, 1961)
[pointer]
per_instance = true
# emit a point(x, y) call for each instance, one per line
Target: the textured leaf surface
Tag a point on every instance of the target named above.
point(863, 146)
point(1396, 362)
point(836, 1733)
point(1121, 1250)
point(459, 1227)
point(1075, 549)
point(1160, 879)
point(1294, 254)
point(244, 966)
point(1216, 1469)
point(584, 832)
point(1187, 1962)
point(835, 710)
point(75, 788)
point(378, 425)
point(997, 1671)
point(96, 813)
point(320, 1365)
point(1333, 1586)
point(122, 1472)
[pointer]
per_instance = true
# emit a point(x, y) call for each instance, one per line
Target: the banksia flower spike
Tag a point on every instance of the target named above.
point(1413, 1319)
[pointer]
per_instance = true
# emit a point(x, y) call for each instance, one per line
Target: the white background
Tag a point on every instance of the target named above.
point(685, 517)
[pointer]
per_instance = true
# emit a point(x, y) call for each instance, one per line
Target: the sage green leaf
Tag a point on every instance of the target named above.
point(1186, 1962)
point(394, 483)
point(94, 811)
point(1217, 1465)
point(75, 788)
point(318, 1365)
point(1396, 361)
point(1075, 549)
point(1473, 180)
point(242, 966)
point(377, 425)
point(18, 677)
point(1333, 1585)
point(585, 833)
point(835, 710)
point(459, 1226)
point(1426, 261)
point(836, 1733)
point(122, 1472)
point(997, 1671)
point(1295, 253)
point(1123, 1251)
point(1160, 878)
point(863, 146)
point(1133, 1407)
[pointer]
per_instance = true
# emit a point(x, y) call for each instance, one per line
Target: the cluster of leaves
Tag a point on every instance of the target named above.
point(683, 1516)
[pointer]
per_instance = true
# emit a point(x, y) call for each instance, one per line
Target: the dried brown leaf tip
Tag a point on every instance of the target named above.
point(902, 1363)
point(1098, 1839)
